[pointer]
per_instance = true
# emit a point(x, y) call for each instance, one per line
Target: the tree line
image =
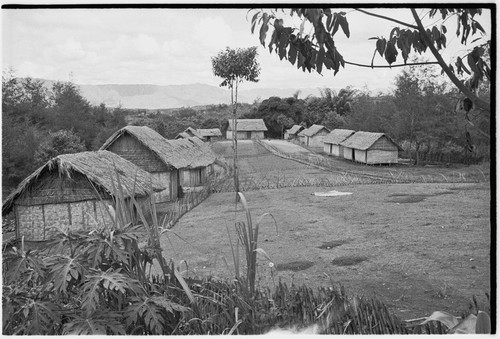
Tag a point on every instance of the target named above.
point(40, 122)
point(420, 113)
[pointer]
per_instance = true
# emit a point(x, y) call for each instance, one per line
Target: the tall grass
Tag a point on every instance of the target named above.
point(125, 212)
point(248, 235)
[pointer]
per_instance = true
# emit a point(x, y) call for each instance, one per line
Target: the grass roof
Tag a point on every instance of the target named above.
point(183, 135)
point(180, 153)
point(209, 132)
point(196, 141)
point(191, 153)
point(192, 132)
point(313, 130)
point(244, 125)
point(337, 136)
point(101, 168)
point(364, 140)
point(295, 129)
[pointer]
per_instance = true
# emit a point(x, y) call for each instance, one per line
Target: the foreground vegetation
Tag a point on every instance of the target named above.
point(100, 282)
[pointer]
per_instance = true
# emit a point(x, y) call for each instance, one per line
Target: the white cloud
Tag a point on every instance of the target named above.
point(163, 46)
point(70, 50)
point(175, 47)
point(213, 33)
point(35, 70)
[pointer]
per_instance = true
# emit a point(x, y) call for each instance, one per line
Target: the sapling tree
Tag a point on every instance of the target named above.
point(236, 66)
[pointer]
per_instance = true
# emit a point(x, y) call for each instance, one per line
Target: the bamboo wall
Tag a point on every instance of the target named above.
point(165, 195)
point(243, 135)
point(381, 157)
point(317, 139)
point(129, 148)
point(332, 149)
point(359, 156)
point(347, 153)
point(335, 150)
point(40, 222)
point(174, 184)
point(195, 177)
point(213, 138)
point(327, 148)
point(384, 144)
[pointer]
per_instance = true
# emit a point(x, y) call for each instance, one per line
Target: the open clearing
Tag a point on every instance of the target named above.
point(417, 247)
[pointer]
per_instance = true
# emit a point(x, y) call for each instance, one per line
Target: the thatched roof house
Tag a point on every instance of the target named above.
point(313, 136)
point(332, 141)
point(188, 133)
point(293, 132)
point(247, 128)
point(210, 134)
point(163, 158)
point(371, 148)
point(74, 191)
point(199, 159)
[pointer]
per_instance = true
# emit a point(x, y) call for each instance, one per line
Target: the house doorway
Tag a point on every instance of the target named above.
point(249, 135)
point(353, 155)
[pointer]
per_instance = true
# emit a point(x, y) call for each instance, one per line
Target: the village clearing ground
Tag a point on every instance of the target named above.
point(418, 248)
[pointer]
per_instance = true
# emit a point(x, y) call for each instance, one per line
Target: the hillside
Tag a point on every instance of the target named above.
point(148, 96)
point(172, 96)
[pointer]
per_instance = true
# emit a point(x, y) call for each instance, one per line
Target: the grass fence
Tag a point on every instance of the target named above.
point(390, 177)
point(216, 182)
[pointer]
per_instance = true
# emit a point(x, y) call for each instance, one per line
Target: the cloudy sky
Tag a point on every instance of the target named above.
point(174, 46)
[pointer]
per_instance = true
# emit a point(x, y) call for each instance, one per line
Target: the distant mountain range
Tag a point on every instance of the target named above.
point(176, 96)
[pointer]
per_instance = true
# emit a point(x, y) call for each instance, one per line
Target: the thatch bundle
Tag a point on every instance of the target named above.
point(102, 169)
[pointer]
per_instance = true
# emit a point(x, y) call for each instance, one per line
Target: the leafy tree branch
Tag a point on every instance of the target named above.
point(318, 51)
point(475, 99)
point(387, 18)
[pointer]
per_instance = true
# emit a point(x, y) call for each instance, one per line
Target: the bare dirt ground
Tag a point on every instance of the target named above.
point(417, 247)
